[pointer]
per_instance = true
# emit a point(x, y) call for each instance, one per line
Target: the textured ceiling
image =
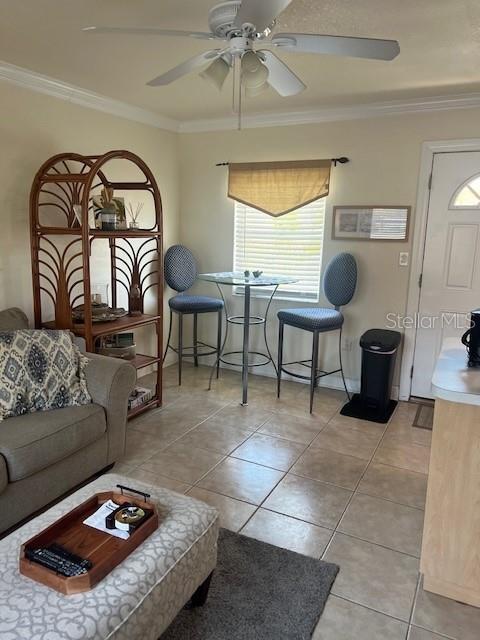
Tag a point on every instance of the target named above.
point(439, 39)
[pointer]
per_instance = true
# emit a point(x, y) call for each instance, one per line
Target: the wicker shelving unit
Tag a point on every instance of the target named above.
point(62, 244)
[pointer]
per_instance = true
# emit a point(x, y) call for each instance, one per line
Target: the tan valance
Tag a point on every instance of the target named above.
point(279, 187)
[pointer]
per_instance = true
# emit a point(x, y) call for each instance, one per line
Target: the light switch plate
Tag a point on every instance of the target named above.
point(403, 259)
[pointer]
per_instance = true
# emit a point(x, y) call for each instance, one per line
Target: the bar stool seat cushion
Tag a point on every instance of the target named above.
point(312, 318)
point(195, 304)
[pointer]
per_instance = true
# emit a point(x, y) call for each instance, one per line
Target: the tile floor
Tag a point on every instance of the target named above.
point(337, 488)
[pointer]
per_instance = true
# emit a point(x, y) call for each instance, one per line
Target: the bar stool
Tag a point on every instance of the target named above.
point(339, 284)
point(180, 272)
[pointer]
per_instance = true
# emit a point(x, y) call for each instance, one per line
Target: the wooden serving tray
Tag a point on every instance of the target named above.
point(103, 550)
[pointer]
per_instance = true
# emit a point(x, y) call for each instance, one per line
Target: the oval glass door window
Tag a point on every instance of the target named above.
point(467, 196)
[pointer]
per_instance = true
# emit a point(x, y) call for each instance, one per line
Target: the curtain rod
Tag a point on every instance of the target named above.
point(335, 161)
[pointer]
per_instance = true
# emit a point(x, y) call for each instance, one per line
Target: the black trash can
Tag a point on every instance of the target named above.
point(379, 352)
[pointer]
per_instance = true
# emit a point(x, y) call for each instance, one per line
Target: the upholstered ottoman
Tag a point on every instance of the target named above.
point(138, 599)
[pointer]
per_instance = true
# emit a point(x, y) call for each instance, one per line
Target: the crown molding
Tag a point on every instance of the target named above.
point(335, 114)
point(76, 95)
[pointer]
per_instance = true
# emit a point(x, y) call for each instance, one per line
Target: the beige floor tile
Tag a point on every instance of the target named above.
point(233, 513)
point(250, 417)
point(422, 634)
point(150, 477)
point(343, 620)
point(328, 466)
point(182, 463)
point(375, 577)
point(404, 433)
point(404, 456)
point(169, 423)
point(294, 401)
point(351, 442)
point(387, 523)
point(214, 436)
point(447, 617)
point(122, 468)
point(140, 447)
point(170, 393)
point(288, 533)
point(277, 453)
point(242, 480)
point(302, 430)
point(326, 402)
point(399, 485)
point(309, 500)
point(355, 423)
point(405, 411)
point(177, 418)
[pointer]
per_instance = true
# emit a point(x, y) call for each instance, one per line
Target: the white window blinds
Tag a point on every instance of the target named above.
point(290, 245)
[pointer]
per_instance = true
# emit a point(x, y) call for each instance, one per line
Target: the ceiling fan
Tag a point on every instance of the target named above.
point(247, 28)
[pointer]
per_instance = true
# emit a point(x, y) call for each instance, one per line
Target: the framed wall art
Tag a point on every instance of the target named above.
point(371, 223)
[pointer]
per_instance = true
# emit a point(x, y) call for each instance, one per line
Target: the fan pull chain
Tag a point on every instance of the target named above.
point(240, 105)
point(237, 90)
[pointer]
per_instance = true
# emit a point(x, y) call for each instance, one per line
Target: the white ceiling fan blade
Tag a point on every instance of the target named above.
point(186, 67)
point(280, 77)
point(149, 31)
point(338, 45)
point(260, 13)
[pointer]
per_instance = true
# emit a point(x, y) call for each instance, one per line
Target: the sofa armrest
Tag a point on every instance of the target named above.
point(110, 381)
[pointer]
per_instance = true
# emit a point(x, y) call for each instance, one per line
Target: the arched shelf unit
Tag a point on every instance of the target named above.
point(63, 243)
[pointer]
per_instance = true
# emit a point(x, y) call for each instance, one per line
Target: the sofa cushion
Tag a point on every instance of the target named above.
point(40, 370)
point(11, 319)
point(35, 441)
point(3, 474)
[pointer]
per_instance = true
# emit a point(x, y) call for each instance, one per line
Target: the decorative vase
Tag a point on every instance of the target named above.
point(108, 218)
point(135, 301)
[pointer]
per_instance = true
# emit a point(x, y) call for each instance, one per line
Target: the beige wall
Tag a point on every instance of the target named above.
point(33, 127)
point(384, 154)
point(384, 165)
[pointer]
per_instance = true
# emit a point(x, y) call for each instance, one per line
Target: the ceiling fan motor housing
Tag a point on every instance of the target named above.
point(222, 16)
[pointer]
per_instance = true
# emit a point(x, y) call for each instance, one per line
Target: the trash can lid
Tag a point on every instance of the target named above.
point(380, 340)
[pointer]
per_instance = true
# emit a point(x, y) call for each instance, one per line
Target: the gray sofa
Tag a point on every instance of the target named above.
point(47, 453)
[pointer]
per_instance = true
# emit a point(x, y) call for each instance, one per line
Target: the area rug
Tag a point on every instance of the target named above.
point(258, 591)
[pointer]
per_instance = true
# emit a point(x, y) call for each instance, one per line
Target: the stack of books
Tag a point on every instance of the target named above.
point(138, 397)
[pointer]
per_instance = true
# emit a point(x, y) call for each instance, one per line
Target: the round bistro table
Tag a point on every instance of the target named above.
point(238, 279)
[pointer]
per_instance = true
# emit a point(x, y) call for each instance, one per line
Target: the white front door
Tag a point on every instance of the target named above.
point(451, 268)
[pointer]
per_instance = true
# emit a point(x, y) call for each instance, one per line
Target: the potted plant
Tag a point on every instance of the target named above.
point(106, 209)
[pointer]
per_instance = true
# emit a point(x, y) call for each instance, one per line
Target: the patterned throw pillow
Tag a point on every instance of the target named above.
point(40, 370)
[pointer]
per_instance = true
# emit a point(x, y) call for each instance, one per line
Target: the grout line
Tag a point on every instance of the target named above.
point(248, 520)
point(251, 504)
point(438, 633)
point(366, 606)
point(377, 544)
point(412, 608)
point(313, 524)
point(354, 492)
point(402, 504)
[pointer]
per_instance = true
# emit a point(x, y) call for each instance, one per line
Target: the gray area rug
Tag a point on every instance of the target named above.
point(258, 591)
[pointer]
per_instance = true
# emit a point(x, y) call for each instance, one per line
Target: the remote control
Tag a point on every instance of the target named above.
point(59, 560)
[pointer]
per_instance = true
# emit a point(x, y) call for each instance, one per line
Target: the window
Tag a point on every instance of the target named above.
point(467, 195)
point(290, 245)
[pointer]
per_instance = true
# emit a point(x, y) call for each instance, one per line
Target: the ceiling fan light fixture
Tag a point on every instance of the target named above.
point(253, 92)
point(254, 72)
point(216, 73)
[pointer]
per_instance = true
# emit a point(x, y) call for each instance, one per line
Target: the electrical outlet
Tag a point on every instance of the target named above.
point(348, 344)
point(403, 259)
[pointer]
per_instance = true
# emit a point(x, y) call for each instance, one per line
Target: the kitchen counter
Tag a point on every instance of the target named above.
point(452, 379)
point(450, 559)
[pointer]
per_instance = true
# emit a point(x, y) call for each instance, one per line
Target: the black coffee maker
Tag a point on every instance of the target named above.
point(471, 339)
